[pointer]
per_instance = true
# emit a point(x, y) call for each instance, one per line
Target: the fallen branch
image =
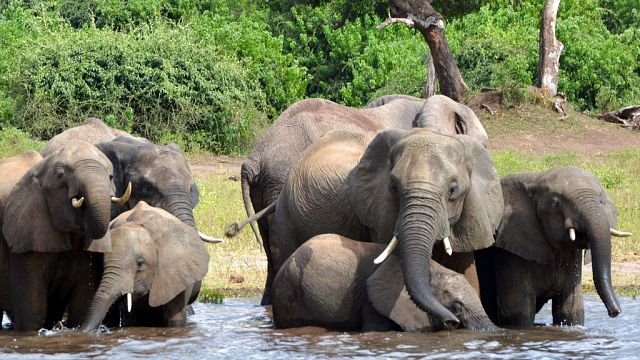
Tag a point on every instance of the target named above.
point(486, 107)
point(628, 117)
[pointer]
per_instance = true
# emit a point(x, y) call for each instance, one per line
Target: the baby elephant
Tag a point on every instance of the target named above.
point(332, 281)
point(156, 260)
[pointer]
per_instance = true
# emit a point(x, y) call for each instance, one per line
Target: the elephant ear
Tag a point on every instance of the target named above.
point(182, 258)
point(483, 205)
point(26, 224)
point(388, 295)
point(520, 231)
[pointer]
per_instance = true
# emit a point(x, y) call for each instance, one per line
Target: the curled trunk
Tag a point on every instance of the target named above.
point(422, 219)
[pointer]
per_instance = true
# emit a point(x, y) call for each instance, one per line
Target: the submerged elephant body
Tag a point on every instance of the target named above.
point(265, 171)
point(413, 188)
point(550, 218)
point(55, 217)
point(332, 281)
point(158, 261)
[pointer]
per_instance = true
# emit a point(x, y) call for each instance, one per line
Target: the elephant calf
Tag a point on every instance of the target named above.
point(332, 281)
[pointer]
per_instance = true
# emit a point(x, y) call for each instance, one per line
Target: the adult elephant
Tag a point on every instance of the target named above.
point(92, 131)
point(549, 219)
point(406, 187)
point(264, 172)
point(156, 260)
point(54, 218)
point(332, 281)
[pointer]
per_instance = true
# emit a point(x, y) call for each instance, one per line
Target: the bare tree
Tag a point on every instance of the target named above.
point(420, 15)
point(550, 49)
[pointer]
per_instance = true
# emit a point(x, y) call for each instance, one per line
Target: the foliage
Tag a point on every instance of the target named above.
point(14, 142)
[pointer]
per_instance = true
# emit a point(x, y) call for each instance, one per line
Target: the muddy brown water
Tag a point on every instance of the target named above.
point(241, 329)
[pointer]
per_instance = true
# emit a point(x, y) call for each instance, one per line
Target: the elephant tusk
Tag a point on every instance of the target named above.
point(572, 234)
point(77, 203)
point(447, 245)
point(387, 251)
point(124, 198)
point(619, 233)
point(129, 302)
point(206, 238)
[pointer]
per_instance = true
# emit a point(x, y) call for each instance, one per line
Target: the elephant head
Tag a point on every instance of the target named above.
point(389, 297)
point(154, 254)
point(160, 176)
point(420, 188)
point(441, 114)
point(69, 191)
point(564, 209)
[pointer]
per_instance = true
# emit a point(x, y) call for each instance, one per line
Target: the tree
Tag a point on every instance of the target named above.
point(550, 49)
point(420, 15)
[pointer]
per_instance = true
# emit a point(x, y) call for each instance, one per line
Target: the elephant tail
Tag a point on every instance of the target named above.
point(245, 182)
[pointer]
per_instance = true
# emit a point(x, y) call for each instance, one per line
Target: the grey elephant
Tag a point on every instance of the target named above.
point(156, 260)
point(264, 172)
point(92, 131)
point(332, 281)
point(54, 220)
point(410, 188)
point(549, 219)
point(12, 169)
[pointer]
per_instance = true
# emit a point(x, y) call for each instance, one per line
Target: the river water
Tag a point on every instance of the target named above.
point(241, 329)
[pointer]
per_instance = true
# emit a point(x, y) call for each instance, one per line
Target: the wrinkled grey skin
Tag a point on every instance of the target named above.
point(47, 244)
point(265, 170)
point(534, 260)
point(159, 174)
point(92, 131)
point(155, 257)
point(416, 184)
point(331, 281)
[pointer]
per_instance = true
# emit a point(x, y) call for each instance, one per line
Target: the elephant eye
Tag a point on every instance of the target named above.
point(59, 173)
point(454, 189)
point(140, 264)
point(555, 202)
point(393, 186)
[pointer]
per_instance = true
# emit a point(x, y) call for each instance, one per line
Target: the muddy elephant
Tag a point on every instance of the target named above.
point(410, 188)
point(157, 261)
point(264, 171)
point(55, 219)
point(549, 219)
point(92, 131)
point(332, 281)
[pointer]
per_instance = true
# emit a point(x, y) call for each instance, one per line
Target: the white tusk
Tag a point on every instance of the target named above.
point(387, 251)
point(206, 238)
point(124, 198)
point(77, 203)
point(619, 233)
point(447, 246)
point(572, 234)
point(129, 302)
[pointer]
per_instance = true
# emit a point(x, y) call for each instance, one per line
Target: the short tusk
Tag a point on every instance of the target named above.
point(77, 203)
point(572, 234)
point(124, 198)
point(129, 302)
point(206, 238)
point(387, 251)
point(619, 233)
point(447, 246)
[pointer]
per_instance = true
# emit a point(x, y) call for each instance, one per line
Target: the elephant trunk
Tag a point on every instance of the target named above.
point(598, 228)
point(178, 203)
point(421, 219)
point(114, 283)
point(96, 190)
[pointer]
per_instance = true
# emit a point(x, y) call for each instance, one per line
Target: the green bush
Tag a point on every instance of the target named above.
point(14, 142)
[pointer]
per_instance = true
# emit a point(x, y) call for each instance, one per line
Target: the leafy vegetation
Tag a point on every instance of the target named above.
point(211, 74)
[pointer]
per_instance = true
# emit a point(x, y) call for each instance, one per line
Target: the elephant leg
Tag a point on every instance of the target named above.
point(515, 293)
point(267, 230)
point(174, 312)
point(567, 307)
point(487, 281)
point(29, 281)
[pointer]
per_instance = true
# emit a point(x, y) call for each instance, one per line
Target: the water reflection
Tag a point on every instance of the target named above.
point(241, 329)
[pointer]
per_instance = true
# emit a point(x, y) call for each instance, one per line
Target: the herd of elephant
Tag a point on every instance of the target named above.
point(386, 217)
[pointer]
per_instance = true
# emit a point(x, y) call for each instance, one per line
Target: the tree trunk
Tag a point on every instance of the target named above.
point(550, 49)
point(420, 14)
point(430, 87)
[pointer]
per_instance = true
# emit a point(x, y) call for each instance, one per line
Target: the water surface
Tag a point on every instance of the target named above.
point(241, 329)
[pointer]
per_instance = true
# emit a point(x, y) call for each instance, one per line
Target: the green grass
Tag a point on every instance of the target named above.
point(14, 142)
